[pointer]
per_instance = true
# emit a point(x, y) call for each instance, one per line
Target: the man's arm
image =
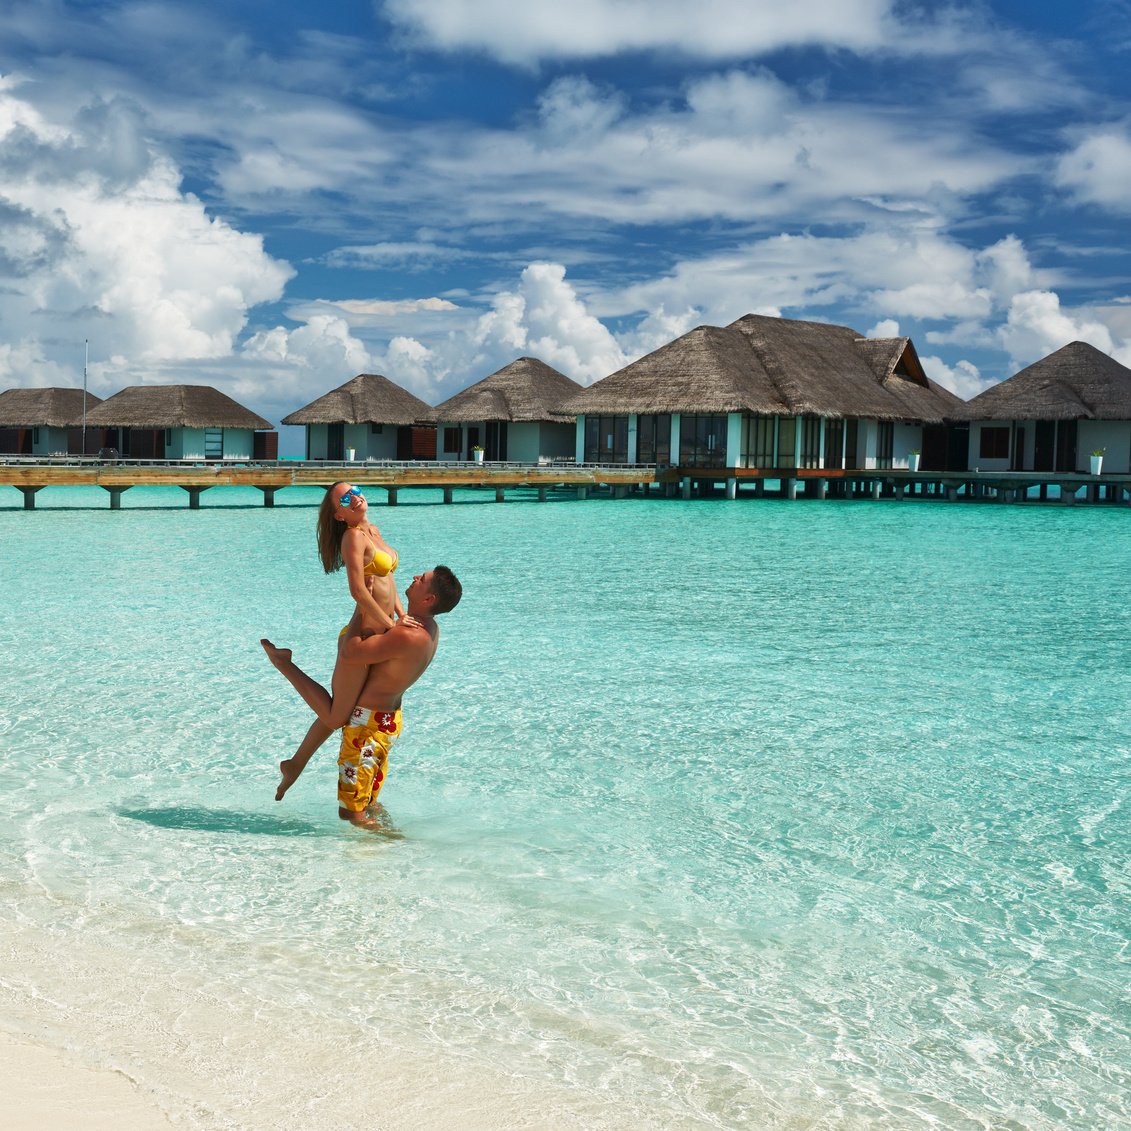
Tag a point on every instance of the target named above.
point(398, 641)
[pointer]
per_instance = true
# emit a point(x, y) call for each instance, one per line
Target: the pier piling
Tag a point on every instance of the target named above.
point(685, 488)
point(876, 487)
point(582, 494)
point(732, 488)
point(29, 497)
point(268, 496)
point(541, 494)
point(500, 495)
point(447, 494)
point(790, 486)
point(116, 496)
point(392, 496)
point(822, 488)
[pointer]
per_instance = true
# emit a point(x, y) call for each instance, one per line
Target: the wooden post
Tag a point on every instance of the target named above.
point(29, 497)
point(732, 488)
point(499, 495)
point(268, 496)
point(392, 496)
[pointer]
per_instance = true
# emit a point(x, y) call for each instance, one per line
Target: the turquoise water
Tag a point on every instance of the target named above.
point(739, 815)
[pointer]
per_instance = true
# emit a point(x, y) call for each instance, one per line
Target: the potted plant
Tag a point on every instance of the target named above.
point(1097, 461)
point(477, 452)
point(913, 460)
point(350, 453)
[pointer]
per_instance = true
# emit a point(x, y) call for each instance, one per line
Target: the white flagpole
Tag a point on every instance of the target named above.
point(85, 363)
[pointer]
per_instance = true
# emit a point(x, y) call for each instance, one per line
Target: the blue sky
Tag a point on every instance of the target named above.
point(272, 198)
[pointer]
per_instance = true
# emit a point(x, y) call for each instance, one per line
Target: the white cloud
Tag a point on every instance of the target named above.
point(963, 379)
point(1037, 326)
point(546, 319)
point(1098, 169)
point(886, 328)
point(98, 241)
point(517, 31)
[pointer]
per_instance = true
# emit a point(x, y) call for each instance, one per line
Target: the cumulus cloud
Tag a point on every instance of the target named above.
point(98, 241)
point(1036, 325)
point(545, 318)
point(963, 379)
point(1098, 169)
point(516, 31)
point(885, 328)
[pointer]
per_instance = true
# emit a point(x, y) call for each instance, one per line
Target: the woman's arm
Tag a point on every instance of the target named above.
point(353, 554)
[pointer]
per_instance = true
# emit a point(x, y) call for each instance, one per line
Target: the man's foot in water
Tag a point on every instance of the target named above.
point(286, 768)
point(277, 656)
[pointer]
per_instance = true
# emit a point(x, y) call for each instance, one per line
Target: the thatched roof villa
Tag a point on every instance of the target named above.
point(370, 416)
point(42, 422)
point(514, 414)
point(179, 422)
point(1051, 415)
point(772, 393)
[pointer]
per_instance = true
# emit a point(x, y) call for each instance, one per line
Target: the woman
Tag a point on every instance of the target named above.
point(346, 537)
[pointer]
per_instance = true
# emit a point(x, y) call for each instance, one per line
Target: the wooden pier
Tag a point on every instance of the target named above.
point(31, 475)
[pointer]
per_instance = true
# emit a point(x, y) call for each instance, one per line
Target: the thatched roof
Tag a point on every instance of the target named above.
point(173, 406)
point(1076, 382)
point(527, 389)
point(44, 408)
point(774, 366)
point(368, 399)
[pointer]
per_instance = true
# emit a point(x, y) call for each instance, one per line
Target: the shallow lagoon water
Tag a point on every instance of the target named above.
point(754, 814)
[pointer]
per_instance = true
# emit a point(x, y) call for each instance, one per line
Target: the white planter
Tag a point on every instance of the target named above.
point(1097, 464)
point(913, 462)
point(350, 453)
point(478, 457)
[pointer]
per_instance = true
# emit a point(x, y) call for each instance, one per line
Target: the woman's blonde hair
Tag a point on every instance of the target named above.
point(330, 531)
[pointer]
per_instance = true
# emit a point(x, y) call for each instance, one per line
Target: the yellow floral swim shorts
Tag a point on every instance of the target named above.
point(366, 741)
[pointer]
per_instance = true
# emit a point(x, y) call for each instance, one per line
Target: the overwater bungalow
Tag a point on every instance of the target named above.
point(1053, 414)
point(513, 415)
point(773, 393)
point(371, 417)
point(193, 422)
point(45, 422)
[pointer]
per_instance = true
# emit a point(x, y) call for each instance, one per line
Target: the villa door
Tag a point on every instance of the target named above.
point(336, 441)
point(472, 442)
point(1044, 445)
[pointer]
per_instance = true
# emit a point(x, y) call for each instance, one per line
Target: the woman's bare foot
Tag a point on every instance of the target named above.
point(289, 778)
point(277, 656)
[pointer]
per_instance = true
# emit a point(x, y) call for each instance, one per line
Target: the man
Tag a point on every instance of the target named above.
point(396, 659)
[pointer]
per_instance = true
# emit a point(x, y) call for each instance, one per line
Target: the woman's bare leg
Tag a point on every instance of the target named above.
point(332, 707)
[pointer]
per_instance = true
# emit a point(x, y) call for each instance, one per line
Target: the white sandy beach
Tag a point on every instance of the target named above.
point(42, 1092)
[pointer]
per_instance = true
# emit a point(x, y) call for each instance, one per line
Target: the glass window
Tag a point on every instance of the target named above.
point(885, 442)
point(214, 443)
point(810, 456)
point(453, 440)
point(834, 444)
point(994, 443)
point(375, 429)
point(757, 441)
point(787, 441)
point(702, 441)
point(606, 439)
point(654, 438)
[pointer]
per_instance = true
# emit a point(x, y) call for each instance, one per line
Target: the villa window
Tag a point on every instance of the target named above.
point(654, 438)
point(758, 441)
point(375, 429)
point(994, 443)
point(885, 444)
point(834, 444)
point(453, 440)
point(702, 441)
point(606, 439)
point(214, 443)
point(810, 456)
point(787, 441)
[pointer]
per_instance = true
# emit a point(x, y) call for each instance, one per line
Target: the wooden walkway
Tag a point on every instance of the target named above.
point(30, 476)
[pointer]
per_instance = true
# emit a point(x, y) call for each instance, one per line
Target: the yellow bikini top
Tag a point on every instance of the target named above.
point(382, 564)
